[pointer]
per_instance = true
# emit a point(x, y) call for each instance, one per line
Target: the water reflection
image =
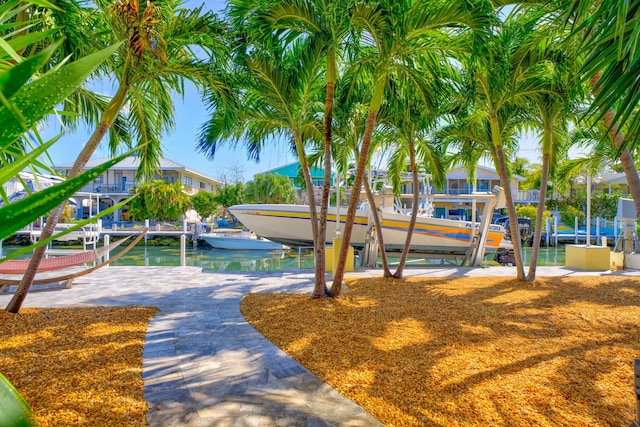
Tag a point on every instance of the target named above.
point(217, 259)
point(225, 260)
point(546, 256)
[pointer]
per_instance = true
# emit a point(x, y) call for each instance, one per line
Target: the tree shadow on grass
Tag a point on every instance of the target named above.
point(80, 367)
point(473, 351)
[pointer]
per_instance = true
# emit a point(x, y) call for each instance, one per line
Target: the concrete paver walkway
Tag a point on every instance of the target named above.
point(204, 365)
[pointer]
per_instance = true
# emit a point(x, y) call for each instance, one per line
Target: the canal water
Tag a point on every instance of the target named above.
point(226, 260)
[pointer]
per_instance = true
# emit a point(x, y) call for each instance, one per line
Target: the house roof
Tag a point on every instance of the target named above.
point(614, 178)
point(291, 170)
point(133, 162)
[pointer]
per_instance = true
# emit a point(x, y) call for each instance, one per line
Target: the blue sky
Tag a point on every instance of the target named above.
point(180, 144)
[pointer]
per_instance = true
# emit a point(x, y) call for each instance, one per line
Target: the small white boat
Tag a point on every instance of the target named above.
point(240, 240)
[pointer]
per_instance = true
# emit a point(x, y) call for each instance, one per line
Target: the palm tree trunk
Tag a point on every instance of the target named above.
point(336, 286)
point(511, 208)
point(537, 234)
point(414, 213)
point(376, 223)
point(78, 166)
point(320, 286)
point(616, 136)
point(320, 289)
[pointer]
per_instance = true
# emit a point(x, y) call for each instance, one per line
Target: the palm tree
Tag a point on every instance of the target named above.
point(410, 124)
point(394, 33)
point(502, 83)
point(276, 94)
point(349, 125)
point(324, 24)
point(160, 54)
point(551, 111)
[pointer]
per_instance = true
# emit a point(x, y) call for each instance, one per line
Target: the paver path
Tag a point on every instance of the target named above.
point(204, 365)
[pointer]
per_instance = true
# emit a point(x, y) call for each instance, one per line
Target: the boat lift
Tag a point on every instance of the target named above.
point(474, 254)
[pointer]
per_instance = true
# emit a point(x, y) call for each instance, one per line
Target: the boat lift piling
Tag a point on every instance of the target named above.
point(106, 240)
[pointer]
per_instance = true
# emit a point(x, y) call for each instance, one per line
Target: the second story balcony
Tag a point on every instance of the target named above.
point(521, 196)
point(111, 189)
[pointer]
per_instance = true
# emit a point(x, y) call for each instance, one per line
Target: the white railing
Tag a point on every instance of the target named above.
point(527, 196)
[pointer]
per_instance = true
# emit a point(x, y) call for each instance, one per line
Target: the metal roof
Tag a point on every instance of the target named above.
point(133, 162)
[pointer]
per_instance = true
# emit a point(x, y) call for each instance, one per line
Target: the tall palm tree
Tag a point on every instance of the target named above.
point(393, 33)
point(161, 53)
point(324, 24)
point(552, 110)
point(277, 94)
point(502, 83)
point(349, 126)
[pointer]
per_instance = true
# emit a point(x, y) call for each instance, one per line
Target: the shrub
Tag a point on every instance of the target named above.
point(531, 213)
point(568, 214)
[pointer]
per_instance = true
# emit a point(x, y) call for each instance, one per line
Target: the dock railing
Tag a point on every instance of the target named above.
point(600, 228)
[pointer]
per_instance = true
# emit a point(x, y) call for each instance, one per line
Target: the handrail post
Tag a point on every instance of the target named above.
point(106, 244)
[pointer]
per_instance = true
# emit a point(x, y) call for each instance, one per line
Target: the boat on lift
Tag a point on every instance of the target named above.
point(440, 237)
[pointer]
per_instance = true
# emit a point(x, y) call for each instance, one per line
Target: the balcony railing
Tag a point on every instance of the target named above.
point(527, 196)
point(105, 189)
point(519, 196)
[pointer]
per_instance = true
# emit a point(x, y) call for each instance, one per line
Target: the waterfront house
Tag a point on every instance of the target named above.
point(19, 186)
point(116, 183)
point(458, 184)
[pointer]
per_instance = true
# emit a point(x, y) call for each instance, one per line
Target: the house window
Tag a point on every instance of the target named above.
point(454, 188)
point(99, 179)
point(202, 185)
point(187, 181)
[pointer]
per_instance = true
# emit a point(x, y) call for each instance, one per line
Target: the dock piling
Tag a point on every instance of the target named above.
point(106, 244)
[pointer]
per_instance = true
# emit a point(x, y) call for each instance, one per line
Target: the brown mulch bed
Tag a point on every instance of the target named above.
point(469, 351)
point(80, 366)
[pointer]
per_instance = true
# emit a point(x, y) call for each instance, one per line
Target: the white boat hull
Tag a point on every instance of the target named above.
point(241, 243)
point(435, 235)
point(291, 224)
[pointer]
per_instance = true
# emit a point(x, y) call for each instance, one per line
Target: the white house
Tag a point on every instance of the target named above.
point(116, 183)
